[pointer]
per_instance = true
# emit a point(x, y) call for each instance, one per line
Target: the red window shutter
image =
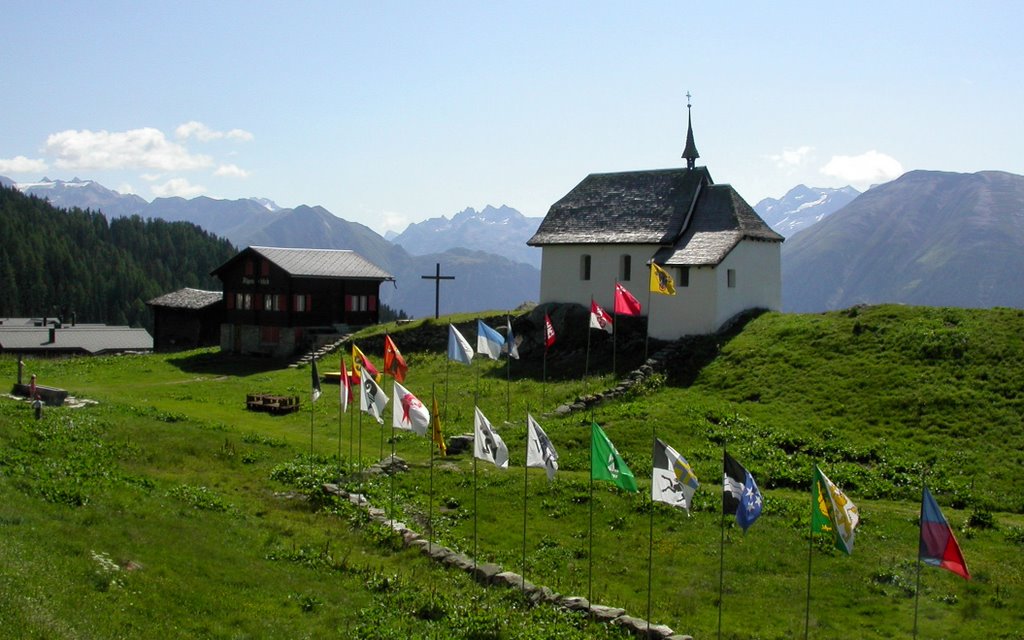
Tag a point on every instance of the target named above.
point(257, 303)
point(348, 302)
point(265, 268)
point(373, 303)
point(248, 267)
point(229, 299)
point(309, 302)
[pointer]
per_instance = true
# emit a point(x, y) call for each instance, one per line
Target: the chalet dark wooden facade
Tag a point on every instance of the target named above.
point(278, 300)
point(187, 319)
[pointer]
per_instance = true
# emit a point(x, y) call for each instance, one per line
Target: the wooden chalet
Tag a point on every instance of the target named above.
point(280, 300)
point(187, 319)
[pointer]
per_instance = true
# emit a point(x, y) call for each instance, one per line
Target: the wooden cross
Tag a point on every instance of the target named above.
point(437, 278)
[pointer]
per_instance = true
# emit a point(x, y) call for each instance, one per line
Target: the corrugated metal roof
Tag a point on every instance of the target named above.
point(91, 339)
point(323, 263)
point(187, 298)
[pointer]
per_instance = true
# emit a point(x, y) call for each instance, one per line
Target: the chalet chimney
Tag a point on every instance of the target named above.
point(53, 335)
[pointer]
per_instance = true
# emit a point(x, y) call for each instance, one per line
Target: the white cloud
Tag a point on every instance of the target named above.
point(177, 187)
point(203, 133)
point(231, 171)
point(145, 148)
point(125, 188)
point(791, 158)
point(864, 170)
point(391, 221)
point(21, 164)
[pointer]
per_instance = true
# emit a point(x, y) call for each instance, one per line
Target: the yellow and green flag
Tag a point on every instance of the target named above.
point(832, 512)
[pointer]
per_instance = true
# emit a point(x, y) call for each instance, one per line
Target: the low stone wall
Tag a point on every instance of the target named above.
point(493, 575)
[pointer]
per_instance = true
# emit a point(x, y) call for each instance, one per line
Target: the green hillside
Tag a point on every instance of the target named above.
point(168, 509)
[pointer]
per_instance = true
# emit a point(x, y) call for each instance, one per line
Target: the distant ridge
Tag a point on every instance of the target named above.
point(927, 238)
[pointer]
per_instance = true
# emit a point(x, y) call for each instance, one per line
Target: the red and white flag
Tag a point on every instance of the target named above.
point(599, 318)
point(409, 412)
point(625, 303)
point(345, 391)
point(549, 332)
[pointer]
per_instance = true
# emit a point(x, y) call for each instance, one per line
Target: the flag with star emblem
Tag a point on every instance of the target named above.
point(672, 480)
point(606, 463)
point(832, 512)
point(409, 412)
point(740, 495)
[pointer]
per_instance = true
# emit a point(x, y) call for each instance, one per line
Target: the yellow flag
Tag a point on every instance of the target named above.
point(435, 430)
point(661, 282)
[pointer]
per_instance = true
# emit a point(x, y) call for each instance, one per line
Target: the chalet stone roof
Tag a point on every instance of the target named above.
point(83, 339)
point(695, 221)
point(720, 220)
point(187, 298)
point(633, 207)
point(317, 263)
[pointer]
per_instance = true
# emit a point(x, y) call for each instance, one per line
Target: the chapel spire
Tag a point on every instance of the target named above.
point(690, 152)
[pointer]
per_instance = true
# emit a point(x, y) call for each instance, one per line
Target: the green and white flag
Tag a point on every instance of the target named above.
point(832, 512)
point(606, 463)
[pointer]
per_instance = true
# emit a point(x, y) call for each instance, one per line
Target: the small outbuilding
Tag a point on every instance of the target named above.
point(187, 319)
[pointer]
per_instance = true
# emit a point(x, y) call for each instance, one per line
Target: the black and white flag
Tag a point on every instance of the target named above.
point(540, 453)
point(487, 444)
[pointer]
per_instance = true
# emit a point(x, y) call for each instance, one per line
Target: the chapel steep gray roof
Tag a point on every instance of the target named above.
point(721, 219)
point(317, 263)
point(632, 207)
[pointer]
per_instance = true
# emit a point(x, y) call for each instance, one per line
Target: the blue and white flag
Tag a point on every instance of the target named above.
point(488, 341)
point(740, 495)
point(510, 348)
point(458, 349)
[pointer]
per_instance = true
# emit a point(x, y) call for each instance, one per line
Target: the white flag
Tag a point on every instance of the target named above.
point(458, 349)
point(540, 453)
point(409, 414)
point(371, 398)
point(673, 481)
point(487, 444)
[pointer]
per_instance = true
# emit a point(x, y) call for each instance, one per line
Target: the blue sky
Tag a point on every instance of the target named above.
point(388, 113)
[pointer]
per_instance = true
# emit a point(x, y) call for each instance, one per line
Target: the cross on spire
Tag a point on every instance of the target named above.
point(690, 152)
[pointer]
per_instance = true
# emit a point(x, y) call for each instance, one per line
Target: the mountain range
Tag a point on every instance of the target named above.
point(487, 277)
point(802, 207)
point(927, 238)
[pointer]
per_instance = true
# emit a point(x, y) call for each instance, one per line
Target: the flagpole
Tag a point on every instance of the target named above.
point(544, 377)
point(810, 556)
point(615, 341)
point(526, 482)
point(312, 405)
point(590, 536)
point(381, 454)
point(586, 367)
point(339, 429)
point(508, 371)
point(351, 436)
point(430, 492)
point(917, 586)
point(392, 462)
point(721, 555)
point(647, 330)
point(650, 547)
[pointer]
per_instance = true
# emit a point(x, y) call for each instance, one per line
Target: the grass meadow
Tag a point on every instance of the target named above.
point(168, 509)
